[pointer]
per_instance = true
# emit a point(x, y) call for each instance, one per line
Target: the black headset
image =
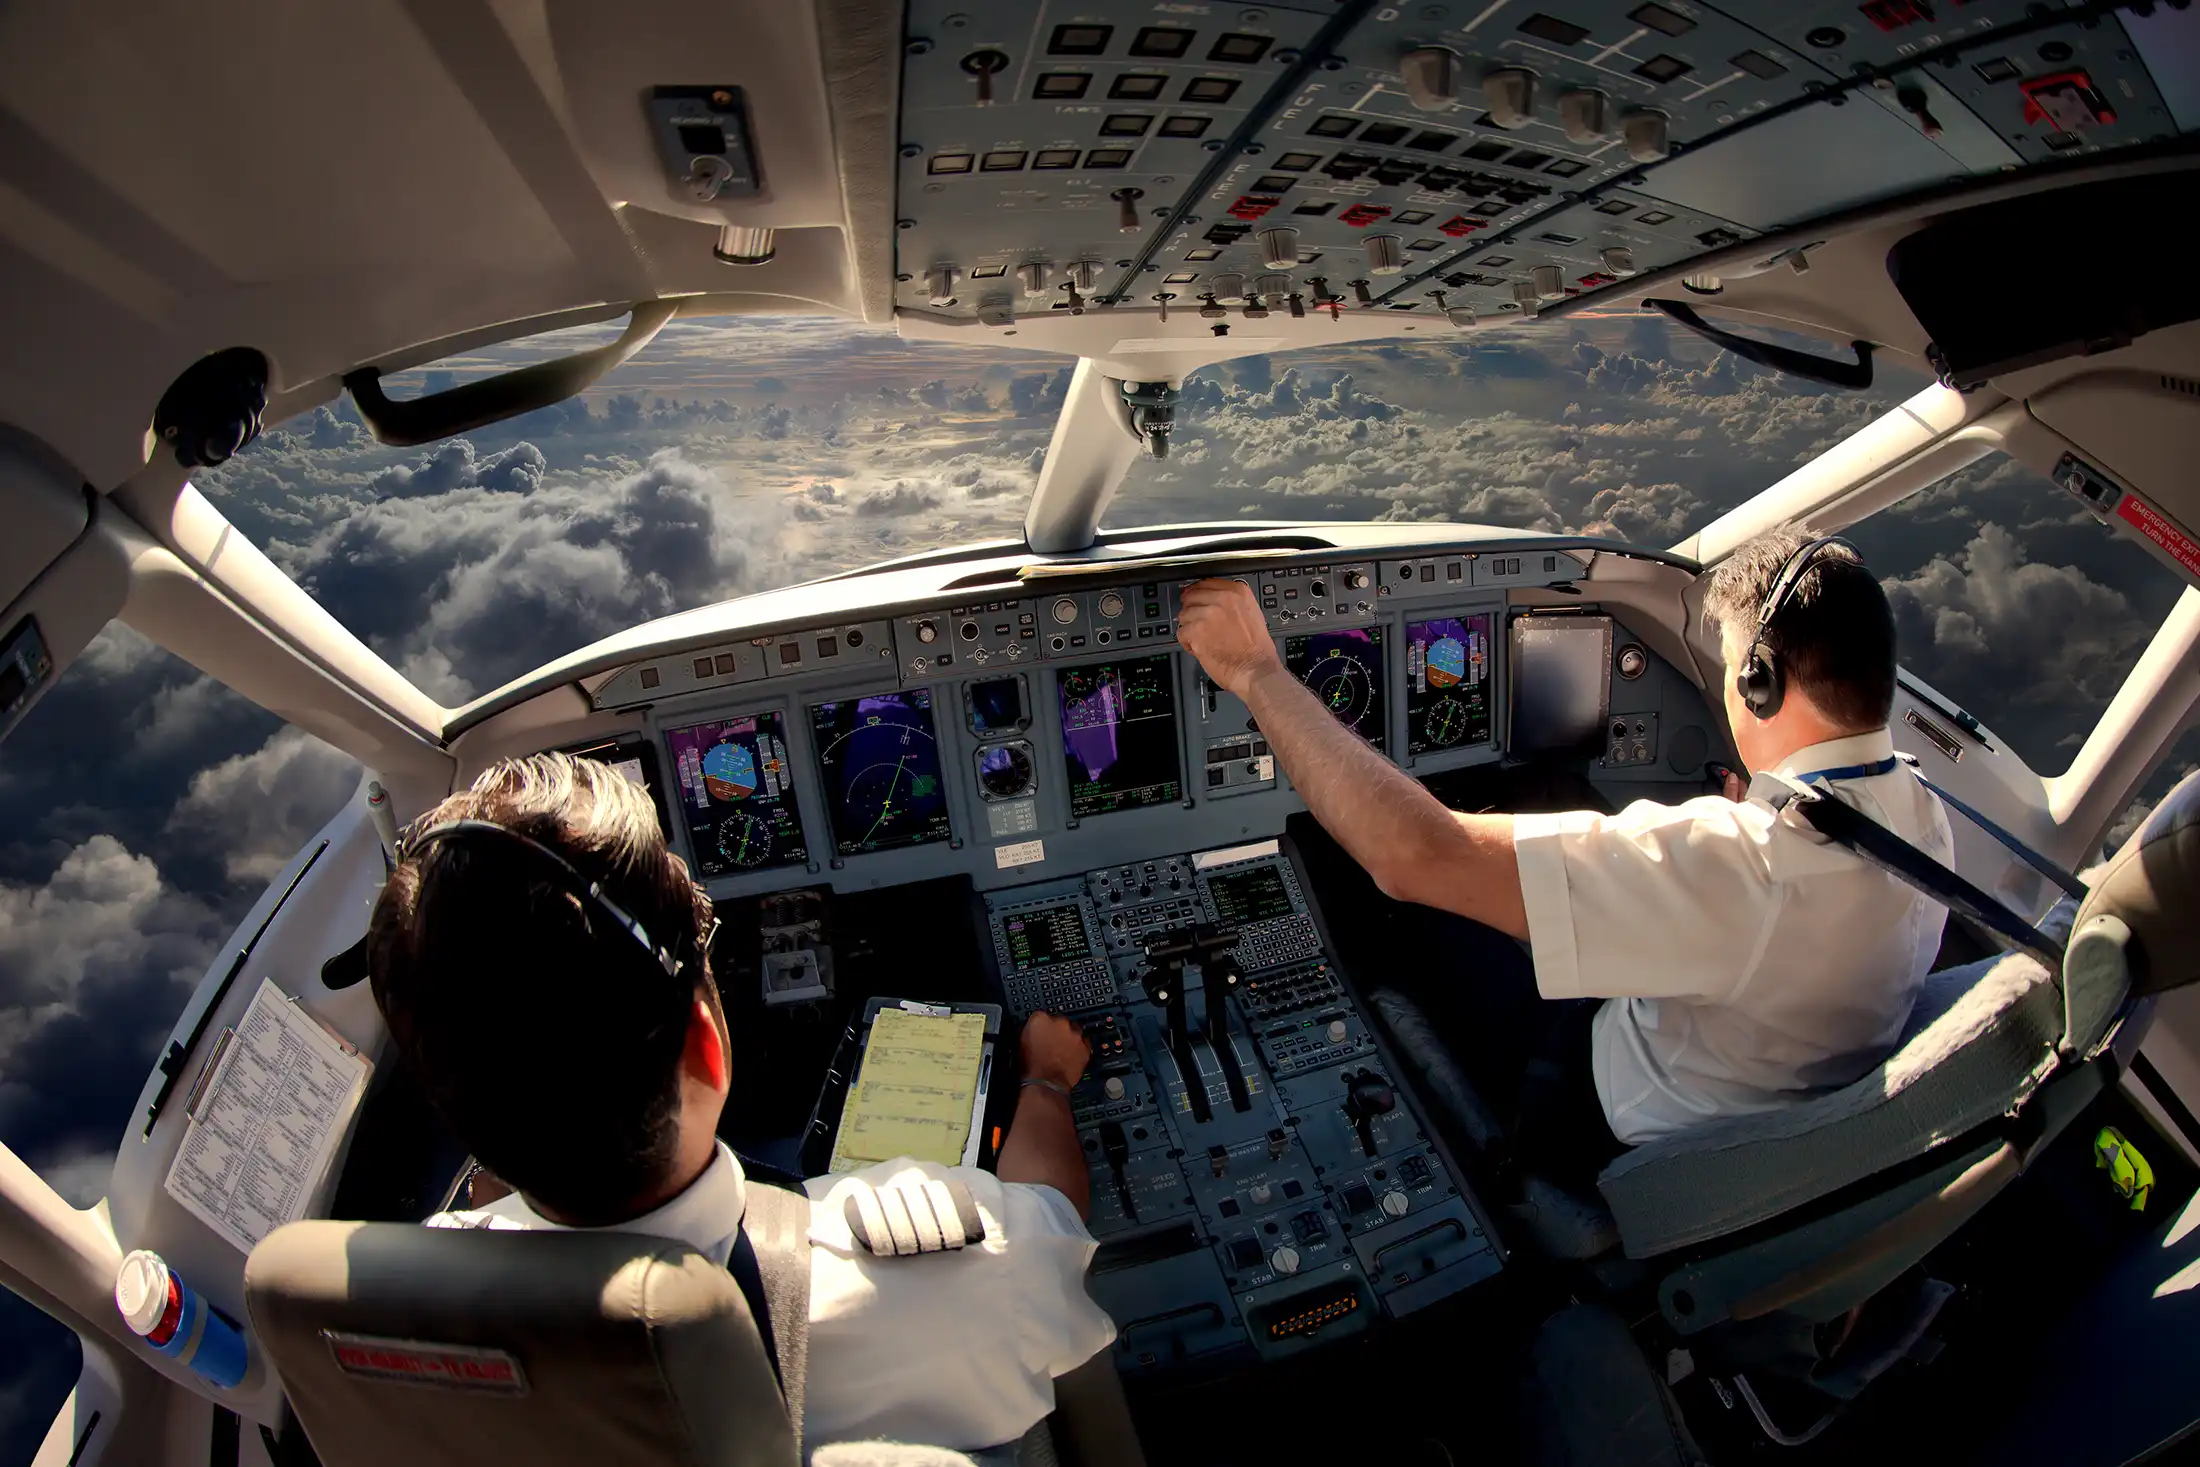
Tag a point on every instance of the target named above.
point(1762, 683)
point(589, 893)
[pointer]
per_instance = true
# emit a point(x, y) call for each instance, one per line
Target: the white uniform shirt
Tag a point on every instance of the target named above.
point(1749, 961)
point(948, 1349)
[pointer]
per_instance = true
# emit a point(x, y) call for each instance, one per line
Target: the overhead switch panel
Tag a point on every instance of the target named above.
point(1509, 94)
point(1431, 75)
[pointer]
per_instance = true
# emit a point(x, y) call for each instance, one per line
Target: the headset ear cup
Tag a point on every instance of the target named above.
point(1760, 681)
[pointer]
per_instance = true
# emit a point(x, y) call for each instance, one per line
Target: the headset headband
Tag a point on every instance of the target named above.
point(1791, 576)
point(590, 891)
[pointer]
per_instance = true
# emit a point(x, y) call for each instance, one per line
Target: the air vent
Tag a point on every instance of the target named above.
point(2184, 385)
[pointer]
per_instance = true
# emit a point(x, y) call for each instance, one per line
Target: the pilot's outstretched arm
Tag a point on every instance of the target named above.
point(1042, 1144)
point(1416, 850)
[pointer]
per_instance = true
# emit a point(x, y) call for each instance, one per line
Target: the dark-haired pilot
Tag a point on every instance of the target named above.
point(1732, 959)
point(593, 1086)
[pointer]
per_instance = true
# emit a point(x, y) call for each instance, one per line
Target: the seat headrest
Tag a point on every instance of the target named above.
point(2152, 886)
point(440, 1347)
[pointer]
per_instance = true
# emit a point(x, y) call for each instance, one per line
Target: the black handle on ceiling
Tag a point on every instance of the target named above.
point(1826, 371)
point(493, 399)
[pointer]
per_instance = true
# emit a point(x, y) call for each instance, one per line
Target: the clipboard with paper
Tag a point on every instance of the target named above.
point(919, 1084)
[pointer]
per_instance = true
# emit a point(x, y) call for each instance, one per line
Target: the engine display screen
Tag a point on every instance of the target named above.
point(1245, 897)
point(879, 760)
point(1561, 682)
point(737, 794)
point(1448, 666)
point(1119, 736)
point(1043, 938)
point(1345, 670)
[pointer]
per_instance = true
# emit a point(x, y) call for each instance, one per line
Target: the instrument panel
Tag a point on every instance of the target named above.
point(1062, 729)
point(1260, 1183)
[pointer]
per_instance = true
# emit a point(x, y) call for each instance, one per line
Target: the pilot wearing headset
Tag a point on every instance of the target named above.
point(542, 960)
point(1708, 958)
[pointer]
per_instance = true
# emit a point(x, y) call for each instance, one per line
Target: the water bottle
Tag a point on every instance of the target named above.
point(174, 1319)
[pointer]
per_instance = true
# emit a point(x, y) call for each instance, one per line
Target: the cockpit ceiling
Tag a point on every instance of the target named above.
point(1467, 156)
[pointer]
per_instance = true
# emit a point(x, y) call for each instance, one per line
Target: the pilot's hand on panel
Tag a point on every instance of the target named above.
point(1221, 624)
point(1054, 1049)
point(1734, 787)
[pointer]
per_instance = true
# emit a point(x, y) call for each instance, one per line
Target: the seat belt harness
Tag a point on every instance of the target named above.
point(2017, 848)
point(771, 1263)
point(1855, 831)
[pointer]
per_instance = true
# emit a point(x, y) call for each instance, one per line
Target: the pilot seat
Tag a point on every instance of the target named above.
point(1754, 1238)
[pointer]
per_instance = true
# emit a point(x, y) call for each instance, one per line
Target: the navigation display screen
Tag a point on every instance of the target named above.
point(880, 764)
point(1345, 670)
point(1119, 736)
point(1448, 667)
point(1245, 897)
point(1561, 682)
point(1043, 938)
point(737, 792)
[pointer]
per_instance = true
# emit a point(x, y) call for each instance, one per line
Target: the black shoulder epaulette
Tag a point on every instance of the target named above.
point(900, 1221)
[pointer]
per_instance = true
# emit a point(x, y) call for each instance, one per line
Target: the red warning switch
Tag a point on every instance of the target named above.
point(2068, 100)
point(1459, 226)
point(1893, 15)
point(1359, 216)
point(1251, 206)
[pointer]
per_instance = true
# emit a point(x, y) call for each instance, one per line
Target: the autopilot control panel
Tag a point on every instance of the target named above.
point(1263, 1182)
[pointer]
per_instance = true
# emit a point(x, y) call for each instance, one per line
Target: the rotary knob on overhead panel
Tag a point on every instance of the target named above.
point(1585, 114)
point(1647, 134)
point(1064, 610)
point(1355, 580)
point(1337, 1031)
point(1229, 288)
point(1431, 75)
point(939, 283)
point(1272, 288)
point(927, 632)
point(1524, 294)
point(1285, 1259)
point(1033, 278)
point(1618, 260)
point(1386, 254)
point(1509, 94)
point(1279, 249)
point(1550, 283)
point(1111, 605)
point(1396, 1204)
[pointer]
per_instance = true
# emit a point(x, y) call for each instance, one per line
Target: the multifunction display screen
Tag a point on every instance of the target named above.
point(879, 760)
point(1245, 897)
point(1447, 683)
point(1345, 670)
point(1119, 736)
point(737, 793)
point(1561, 682)
point(1045, 937)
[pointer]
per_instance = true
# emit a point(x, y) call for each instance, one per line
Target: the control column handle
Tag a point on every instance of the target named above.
point(1368, 1095)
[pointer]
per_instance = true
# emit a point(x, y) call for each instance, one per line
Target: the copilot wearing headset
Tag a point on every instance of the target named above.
point(1709, 958)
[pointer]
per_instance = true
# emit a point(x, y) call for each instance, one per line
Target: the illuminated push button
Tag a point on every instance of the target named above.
point(1113, 1089)
point(1285, 1259)
point(1396, 1204)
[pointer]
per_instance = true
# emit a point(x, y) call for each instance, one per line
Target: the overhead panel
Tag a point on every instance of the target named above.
point(1056, 137)
point(2071, 87)
point(1477, 159)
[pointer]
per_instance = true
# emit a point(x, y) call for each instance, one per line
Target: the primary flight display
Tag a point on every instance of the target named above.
point(737, 794)
point(1447, 683)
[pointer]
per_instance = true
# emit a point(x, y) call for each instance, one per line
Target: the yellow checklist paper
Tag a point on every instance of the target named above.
point(916, 1091)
